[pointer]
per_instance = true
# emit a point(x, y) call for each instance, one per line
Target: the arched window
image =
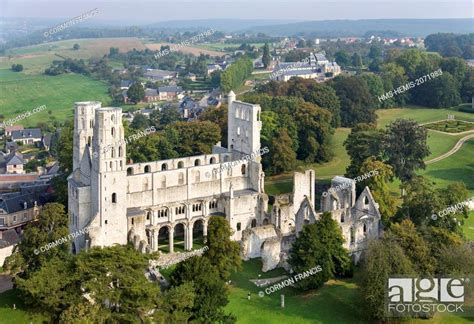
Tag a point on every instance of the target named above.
point(164, 167)
point(352, 235)
point(197, 162)
point(120, 151)
point(148, 216)
point(112, 153)
point(238, 131)
point(366, 200)
point(243, 169)
point(364, 229)
point(181, 178)
point(342, 218)
point(110, 165)
point(113, 131)
point(237, 112)
point(147, 169)
point(114, 198)
point(212, 160)
point(180, 164)
point(89, 141)
point(254, 223)
point(129, 171)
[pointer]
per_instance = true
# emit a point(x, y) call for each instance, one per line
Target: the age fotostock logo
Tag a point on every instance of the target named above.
point(415, 296)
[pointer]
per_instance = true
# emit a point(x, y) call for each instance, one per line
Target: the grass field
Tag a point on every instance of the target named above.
point(420, 114)
point(451, 126)
point(21, 314)
point(338, 301)
point(21, 93)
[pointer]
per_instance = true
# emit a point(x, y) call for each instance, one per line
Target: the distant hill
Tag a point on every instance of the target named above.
point(345, 28)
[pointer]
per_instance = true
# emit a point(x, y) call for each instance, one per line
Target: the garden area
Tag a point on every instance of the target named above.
point(451, 126)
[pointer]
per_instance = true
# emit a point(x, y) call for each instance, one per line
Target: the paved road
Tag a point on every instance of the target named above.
point(456, 148)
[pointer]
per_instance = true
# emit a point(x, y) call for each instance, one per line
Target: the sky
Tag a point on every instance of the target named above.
point(148, 11)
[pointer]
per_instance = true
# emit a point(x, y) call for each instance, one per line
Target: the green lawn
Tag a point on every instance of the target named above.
point(457, 167)
point(21, 314)
point(420, 114)
point(21, 93)
point(338, 301)
point(441, 143)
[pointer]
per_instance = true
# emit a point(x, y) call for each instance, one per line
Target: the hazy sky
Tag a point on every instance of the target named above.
point(147, 11)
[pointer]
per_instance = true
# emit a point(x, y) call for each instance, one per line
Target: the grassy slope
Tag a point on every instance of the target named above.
point(21, 93)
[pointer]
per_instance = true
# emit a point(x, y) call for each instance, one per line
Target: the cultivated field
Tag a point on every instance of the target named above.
point(185, 49)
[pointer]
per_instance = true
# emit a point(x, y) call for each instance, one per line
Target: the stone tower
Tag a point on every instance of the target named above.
point(244, 126)
point(108, 179)
point(84, 113)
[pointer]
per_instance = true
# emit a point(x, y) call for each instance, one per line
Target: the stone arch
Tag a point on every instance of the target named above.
point(212, 160)
point(243, 169)
point(120, 151)
point(198, 232)
point(129, 171)
point(254, 223)
point(197, 162)
point(164, 167)
point(179, 237)
point(163, 238)
point(366, 200)
point(147, 169)
point(180, 164)
point(266, 221)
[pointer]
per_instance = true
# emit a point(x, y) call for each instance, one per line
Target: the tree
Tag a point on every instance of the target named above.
point(76, 47)
point(136, 92)
point(217, 116)
point(414, 247)
point(140, 122)
point(314, 132)
point(379, 187)
point(320, 244)
point(282, 154)
point(342, 58)
point(357, 105)
point(363, 142)
point(443, 91)
point(405, 147)
point(52, 225)
point(196, 137)
point(266, 58)
point(376, 88)
point(384, 258)
point(222, 252)
point(356, 60)
point(17, 67)
point(210, 291)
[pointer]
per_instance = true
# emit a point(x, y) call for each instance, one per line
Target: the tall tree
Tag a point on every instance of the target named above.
point(222, 252)
point(405, 146)
point(320, 244)
point(266, 59)
point(209, 289)
point(136, 92)
point(282, 154)
point(357, 105)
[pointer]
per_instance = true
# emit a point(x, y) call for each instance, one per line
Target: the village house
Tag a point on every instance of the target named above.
point(159, 75)
point(10, 129)
point(27, 136)
point(14, 163)
point(169, 92)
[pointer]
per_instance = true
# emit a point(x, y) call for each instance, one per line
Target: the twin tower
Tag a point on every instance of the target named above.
point(107, 196)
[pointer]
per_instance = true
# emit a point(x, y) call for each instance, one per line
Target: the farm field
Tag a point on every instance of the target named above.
point(22, 92)
point(185, 49)
point(36, 58)
point(420, 114)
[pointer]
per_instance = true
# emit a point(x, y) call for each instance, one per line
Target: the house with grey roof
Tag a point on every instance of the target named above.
point(14, 163)
point(27, 136)
point(159, 75)
point(169, 92)
point(8, 240)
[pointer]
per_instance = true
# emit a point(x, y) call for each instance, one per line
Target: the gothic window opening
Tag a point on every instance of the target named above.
point(180, 164)
point(239, 225)
point(243, 169)
point(212, 160)
point(164, 167)
point(352, 235)
point(113, 131)
point(197, 162)
point(147, 169)
point(114, 198)
point(254, 223)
